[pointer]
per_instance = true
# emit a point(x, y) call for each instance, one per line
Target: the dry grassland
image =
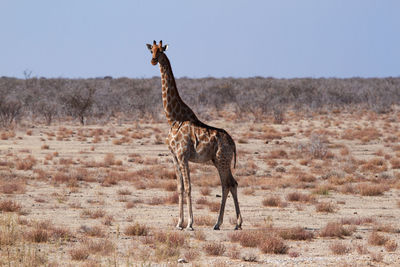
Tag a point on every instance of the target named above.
point(319, 189)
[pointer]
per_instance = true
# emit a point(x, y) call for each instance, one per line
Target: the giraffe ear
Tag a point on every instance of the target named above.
point(149, 46)
point(165, 47)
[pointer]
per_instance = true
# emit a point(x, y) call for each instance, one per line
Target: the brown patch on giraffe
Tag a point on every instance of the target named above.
point(173, 94)
point(179, 136)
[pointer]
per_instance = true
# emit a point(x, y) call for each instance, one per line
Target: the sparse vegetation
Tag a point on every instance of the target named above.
point(297, 164)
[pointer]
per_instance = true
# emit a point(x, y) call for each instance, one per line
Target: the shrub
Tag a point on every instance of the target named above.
point(9, 111)
point(80, 102)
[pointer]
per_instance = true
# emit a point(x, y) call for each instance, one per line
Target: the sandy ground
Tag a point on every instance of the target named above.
point(69, 148)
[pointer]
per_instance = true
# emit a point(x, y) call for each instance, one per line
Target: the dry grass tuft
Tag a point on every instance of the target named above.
point(169, 185)
point(95, 231)
point(365, 134)
point(26, 163)
point(274, 201)
point(366, 189)
point(191, 254)
point(335, 229)
point(100, 246)
point(361, 249)
point(205, 220)
point(7, 205)
point(296, 233)
point(339, 248)
point(375, 165)
point(13, 187)
point(80, 253)
point(357, 220)
point(213, 206)
point(172, 239)
point(93, 214)
point(136, 230)
point(377, 239)
point(37, 235)
point(246, 238)
point(376, 256)
point(390, 245)
point(205, 191)
point(300, 197)
point(200, 235)
point(109, 160)
point(214, 248)
point(395, 163)
point(273, 245)
point(124, 192)
point(278, 154)
point(325, 207)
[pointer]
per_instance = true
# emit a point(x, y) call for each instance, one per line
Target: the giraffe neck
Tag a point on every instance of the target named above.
point(174, 108)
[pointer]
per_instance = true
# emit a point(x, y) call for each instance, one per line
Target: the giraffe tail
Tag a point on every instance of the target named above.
point(234, 155)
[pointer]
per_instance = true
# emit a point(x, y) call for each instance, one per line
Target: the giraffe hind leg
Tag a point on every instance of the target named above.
point(233, 190)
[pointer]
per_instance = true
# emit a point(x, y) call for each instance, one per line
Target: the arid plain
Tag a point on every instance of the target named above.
point(317, 189)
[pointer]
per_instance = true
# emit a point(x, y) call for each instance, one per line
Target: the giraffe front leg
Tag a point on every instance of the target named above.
point(179, 181)
point(180, 194)
point(188, 192)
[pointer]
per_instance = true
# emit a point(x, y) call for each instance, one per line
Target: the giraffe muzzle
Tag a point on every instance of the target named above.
point(154, 61)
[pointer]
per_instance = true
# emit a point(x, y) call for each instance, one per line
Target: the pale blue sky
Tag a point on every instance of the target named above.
point(232, 38)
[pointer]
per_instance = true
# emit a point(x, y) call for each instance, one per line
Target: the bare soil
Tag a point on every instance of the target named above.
point(61, 175)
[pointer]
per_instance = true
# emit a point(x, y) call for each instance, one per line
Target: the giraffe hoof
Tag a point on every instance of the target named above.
point(238, 227)
point(179, 227)
point(216, 227)
point(189, 228)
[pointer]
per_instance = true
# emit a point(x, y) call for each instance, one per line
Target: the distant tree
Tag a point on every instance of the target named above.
point(48, 111)
point(9, 111)
point(79, 103)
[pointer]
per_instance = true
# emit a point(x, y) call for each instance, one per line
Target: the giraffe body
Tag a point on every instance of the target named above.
point(189, 139)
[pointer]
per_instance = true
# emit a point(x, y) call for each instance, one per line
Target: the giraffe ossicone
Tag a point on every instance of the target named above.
point(191, 140)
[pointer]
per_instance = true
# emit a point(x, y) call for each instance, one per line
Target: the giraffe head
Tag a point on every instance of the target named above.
point(156, 51)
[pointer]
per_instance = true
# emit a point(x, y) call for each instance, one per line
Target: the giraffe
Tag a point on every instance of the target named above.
point(189, 139)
